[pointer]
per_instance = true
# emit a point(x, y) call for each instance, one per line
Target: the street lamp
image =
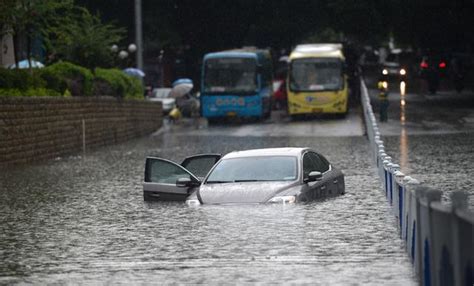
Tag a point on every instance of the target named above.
point(132, 48)
point(123, 54)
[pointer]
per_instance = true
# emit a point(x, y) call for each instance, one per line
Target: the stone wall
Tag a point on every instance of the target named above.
point(34, 129)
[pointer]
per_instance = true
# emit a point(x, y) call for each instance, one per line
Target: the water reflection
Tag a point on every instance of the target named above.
point(403, 134)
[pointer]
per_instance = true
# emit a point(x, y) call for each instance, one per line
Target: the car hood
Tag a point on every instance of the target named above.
point(245, 192)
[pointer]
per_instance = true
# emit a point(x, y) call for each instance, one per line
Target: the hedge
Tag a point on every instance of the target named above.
point(78, 79)
point(63, 79)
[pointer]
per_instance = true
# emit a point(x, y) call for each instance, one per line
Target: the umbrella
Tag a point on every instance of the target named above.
point(134, 72)
point(181, 87)
point(24, 64)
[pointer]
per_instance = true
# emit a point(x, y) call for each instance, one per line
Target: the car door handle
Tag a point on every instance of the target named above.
point(335, 181)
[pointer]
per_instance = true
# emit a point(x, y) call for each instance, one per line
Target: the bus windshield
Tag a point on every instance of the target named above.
point(230, 75)
point(316, 74)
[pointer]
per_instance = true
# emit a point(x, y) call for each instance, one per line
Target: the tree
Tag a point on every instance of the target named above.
point(26, 18)
point(83, 39)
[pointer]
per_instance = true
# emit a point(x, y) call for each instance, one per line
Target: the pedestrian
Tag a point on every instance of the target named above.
point(383, 100)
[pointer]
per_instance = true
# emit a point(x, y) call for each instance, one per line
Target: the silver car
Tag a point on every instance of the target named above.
point(273, 175)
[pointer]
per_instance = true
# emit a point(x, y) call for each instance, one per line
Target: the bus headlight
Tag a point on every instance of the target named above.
point(403, 72)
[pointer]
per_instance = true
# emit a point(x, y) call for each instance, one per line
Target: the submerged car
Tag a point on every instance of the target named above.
point(273, 175)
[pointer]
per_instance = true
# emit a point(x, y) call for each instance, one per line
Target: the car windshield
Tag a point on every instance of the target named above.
point(161, 92)
point(392, 58)
point(316, 74)
point(251, 169)
point(230, 75)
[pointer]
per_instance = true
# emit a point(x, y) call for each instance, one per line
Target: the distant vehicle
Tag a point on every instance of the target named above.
point(163, 95)
point(273, 175)
point(433, 68)
point(236, 83)
point(437, 66)
point(399, 65)
point(317, 82)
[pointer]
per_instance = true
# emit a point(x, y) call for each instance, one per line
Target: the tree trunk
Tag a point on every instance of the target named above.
point(28, 51)
point(16, 47)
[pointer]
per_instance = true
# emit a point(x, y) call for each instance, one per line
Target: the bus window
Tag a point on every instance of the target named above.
point(316, 74)
point(230, 75)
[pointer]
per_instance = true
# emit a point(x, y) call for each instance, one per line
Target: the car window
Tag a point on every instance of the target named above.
point(200, 166)
point(321, 162)
point(265, 168)
point(308, 165)
point(160, 171)
point(314, 162)
point(161, 92)
point(392, 58)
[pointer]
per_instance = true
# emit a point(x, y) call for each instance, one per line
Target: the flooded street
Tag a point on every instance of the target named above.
point(84, 220)
point(431, 136)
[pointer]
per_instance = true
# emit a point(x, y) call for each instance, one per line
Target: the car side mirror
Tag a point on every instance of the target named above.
point(314, 176)
point(186, 183)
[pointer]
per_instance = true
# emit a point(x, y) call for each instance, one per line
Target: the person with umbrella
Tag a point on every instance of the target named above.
point(186, 104)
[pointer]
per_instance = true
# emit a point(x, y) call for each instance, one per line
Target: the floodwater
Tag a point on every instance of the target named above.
point(431, 137)
point(83, 221)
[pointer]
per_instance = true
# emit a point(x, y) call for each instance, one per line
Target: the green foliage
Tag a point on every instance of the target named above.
point(77, 79)
point(54, 80)
point(66, 79)
point(134, 87)
point(12, 92)
point(116, 83)
point(30, 92)
point(83, 39)
point(19, 79)
point(109, 82)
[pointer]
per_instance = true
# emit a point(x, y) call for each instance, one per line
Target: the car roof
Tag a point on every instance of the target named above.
point(285, 151)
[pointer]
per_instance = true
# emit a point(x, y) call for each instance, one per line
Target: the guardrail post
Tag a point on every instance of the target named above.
point(463, 237)
point(398, 198)
point(390, 183)
point(426, 240)
point(412, 224)
point(385, 176)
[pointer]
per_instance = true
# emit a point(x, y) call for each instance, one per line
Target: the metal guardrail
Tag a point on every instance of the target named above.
point(439, 238)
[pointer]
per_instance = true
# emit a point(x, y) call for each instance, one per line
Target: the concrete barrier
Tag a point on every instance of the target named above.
point(438, 237)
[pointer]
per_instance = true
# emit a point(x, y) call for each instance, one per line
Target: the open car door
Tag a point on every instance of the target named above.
point(201, 164)
point(168, 181)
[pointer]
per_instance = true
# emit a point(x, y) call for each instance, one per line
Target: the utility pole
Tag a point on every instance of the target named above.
point(138, 33)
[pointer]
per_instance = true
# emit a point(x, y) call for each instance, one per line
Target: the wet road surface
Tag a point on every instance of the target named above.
point(431, 136)
point(84, 221)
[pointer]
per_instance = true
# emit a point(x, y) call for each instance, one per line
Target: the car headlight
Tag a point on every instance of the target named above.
point(385, 72)
point(403, 72)
point(193, 202)
point(283, 200)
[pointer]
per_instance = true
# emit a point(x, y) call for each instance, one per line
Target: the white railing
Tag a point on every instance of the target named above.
point(439, 238)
